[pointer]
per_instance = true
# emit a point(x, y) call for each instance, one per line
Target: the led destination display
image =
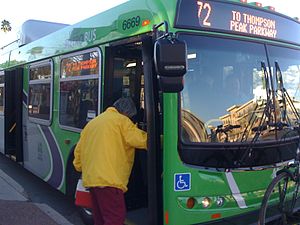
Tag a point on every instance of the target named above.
point(236, 18)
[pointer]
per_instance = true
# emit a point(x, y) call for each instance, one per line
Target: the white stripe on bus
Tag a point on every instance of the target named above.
point(235, 191)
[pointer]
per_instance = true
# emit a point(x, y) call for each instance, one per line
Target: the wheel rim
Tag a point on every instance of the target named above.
point(87, 211)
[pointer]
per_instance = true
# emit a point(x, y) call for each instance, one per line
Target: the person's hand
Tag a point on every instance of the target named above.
point(142, 126)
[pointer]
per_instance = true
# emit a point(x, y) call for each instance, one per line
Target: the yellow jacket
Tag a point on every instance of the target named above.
point(105, 151)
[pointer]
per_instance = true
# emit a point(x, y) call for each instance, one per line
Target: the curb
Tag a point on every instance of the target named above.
point(58, 218)
point(21, 195)
point(13, 184)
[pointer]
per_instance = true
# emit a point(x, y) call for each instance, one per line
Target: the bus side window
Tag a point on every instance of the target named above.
point(39, 94)
point(79, 89)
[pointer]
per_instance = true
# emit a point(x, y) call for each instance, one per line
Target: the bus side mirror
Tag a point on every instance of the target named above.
point(170, 63)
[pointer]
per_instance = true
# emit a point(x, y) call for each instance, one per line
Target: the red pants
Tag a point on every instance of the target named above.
point(108, 206)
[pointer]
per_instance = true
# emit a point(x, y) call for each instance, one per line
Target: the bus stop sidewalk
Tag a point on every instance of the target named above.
point(17, 209)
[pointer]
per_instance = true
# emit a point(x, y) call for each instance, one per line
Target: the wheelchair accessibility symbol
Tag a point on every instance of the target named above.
point(182, 181)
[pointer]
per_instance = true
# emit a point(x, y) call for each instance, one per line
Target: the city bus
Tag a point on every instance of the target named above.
point(216, 84)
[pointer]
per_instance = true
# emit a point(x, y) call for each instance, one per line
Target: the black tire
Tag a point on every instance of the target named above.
point(86, 215)
point(276, 203)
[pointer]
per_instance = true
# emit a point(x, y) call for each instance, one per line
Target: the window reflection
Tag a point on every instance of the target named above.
point(39, 101)
point(40, 72)
point(225, 95)
point(39, 94)
point(79, 85)
point(78, 102)
point(286, 64)
point(193, 128)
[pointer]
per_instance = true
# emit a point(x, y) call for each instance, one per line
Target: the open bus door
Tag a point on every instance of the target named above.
point(126, 77)
point(13, 114)
point(130, 73)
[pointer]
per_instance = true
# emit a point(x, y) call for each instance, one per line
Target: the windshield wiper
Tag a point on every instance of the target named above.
point(285, 98)
point(268, 118)
point(267, 110)
point(280, 89)
point(268, 115)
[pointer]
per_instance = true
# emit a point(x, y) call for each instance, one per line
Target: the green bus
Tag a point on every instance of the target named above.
point(216, 83)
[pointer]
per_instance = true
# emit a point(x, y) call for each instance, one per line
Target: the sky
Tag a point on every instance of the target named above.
point(59, 11)
point(71, 12)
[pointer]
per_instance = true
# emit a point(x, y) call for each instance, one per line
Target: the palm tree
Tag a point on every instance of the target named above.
point(5, 26)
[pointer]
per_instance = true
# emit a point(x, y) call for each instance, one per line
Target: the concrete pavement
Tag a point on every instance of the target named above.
point(17, 209)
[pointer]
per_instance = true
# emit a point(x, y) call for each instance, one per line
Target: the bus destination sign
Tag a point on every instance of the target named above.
point(236, 18)
point(250, 24)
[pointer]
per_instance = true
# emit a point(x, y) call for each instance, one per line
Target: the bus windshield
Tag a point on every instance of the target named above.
point(228, 88)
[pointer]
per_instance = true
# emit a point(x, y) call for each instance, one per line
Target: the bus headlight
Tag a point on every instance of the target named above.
point(206, 202)
point(220, 201)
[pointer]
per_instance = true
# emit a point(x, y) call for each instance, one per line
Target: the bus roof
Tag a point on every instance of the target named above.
point(33, 30)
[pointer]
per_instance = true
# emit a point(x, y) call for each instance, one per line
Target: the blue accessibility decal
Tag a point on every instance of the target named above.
point(182, 181)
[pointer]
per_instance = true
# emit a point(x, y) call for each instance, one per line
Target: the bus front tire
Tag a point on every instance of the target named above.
point(86, 215)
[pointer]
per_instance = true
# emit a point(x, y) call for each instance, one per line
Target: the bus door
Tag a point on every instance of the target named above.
point(129, 74)
point(2, 111)
point(125, 78)
point(13, 114)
